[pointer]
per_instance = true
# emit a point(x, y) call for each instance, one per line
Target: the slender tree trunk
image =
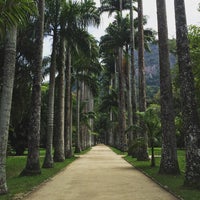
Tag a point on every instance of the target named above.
point(153, 163)
point(116, 135)
point(77, 140)
point(111, 134)
point(191, 125)
point(33, 162)
point(142, 149)
point(59, 155)
point(68, 111)
point(122, 111)
point(133, 136)
point(83, 110)
point(169, 162)
point(91, 108)
point(6, 101)
point(129, 96)
point(48, 161)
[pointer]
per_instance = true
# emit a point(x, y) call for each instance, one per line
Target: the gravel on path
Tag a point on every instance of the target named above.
point(100, 175)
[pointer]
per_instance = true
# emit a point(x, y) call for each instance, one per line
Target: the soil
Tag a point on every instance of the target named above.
point(100, 175)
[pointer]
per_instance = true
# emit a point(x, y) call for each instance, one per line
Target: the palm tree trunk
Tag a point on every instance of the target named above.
point(169, 162)
point(33, 163)
point(77, 140)
point(191, 124)
point(91, 122)
point(83, 110)
point(142, 150)
point(48, 161)
point(132, 136)
point(129, 96)
point(6, 101)
point(122, 111)
point(68, 111)
point(111, 133)
point(59, 136)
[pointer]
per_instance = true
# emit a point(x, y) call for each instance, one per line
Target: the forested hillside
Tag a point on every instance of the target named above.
point(152, 69)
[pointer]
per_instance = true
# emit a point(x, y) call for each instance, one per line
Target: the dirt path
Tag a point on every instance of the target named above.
point(100, 175)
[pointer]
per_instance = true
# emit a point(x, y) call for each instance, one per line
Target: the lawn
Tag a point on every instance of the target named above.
point(169, 182)
point(18, 185)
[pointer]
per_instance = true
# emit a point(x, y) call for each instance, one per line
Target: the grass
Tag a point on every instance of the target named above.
point(172, 183)
point(19, 185)
point(117, 151)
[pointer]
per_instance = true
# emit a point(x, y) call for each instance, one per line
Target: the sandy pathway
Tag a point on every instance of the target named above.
point(100, 175)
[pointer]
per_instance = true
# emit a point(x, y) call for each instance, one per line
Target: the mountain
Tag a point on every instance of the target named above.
point(152, 69)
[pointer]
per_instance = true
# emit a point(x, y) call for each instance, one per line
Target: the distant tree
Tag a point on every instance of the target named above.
point(151, 118)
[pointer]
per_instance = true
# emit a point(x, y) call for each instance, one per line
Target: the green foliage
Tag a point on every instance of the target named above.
point(84, 151)
point(13, 13)
point(117, 151)
point(151, 118)
point(194, 38)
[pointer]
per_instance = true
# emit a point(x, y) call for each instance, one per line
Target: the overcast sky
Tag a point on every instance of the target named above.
point(193, 17)
point(149, 8)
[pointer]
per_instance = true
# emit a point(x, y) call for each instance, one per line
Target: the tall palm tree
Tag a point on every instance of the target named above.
point(169, 162)
point(59, 155)
point(132, 89)
point(86, 66)
point(33, 163)
point(77, 17)
point(52, 15)
point(68, 106)
point(14, 14)
point(6, 99)
point(116, 36)
point(191, 124)
point(142, 150)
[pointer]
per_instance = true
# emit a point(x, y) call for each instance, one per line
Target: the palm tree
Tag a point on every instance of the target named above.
point(142, 151)
point(169, 161)
point(132, 89)
point(78, 16)
point(33, 163)
point(59, 155)
point(114, 5)
point(86, 66)
point(52, 15)
point(13, 14)
point(191, 124)
point(68, 107)
point(151, 117)
point(6, 99)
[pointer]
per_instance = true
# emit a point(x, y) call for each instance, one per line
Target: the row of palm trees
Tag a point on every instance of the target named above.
point(169, 163)
point(111, 45)
point(75, 51)
point(72, 45)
